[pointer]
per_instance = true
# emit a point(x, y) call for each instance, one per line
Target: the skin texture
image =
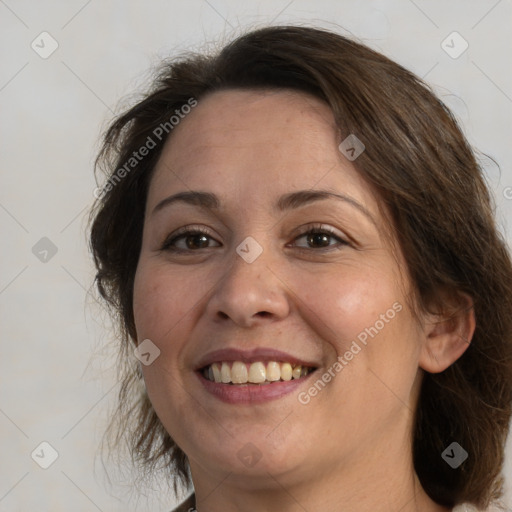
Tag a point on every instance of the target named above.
point(349, 448)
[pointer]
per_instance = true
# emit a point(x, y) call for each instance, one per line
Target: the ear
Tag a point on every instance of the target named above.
point(447, 335)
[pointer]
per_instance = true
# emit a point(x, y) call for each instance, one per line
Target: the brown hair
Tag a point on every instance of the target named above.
point(427, 177)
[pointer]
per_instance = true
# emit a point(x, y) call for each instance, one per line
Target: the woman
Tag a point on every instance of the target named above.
point(300, 249)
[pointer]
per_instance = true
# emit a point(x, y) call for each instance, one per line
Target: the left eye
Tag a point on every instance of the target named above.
point(319, 237)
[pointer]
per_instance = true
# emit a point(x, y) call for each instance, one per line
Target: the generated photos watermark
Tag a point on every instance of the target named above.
point(304, 397)
point(157, 135)
point(146, 352)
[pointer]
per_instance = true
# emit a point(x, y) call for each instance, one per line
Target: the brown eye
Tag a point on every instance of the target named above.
point(321, 238)
point(318, 239)
point(196, 241)
point(193, 239)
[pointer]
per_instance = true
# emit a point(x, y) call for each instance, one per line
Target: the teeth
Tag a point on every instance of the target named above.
point(216, 373)
point(286, 371)
point(257, 373)
point(225, 373)
point(273, 371)
point(238, 373)
point(254, 373)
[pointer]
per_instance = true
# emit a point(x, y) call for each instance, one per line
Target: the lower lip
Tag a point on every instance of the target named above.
point(252, 393)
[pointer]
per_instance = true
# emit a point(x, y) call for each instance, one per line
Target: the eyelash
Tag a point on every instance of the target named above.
point(186, 232)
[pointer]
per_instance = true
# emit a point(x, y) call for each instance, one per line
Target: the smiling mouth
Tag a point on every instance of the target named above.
point(238, 372)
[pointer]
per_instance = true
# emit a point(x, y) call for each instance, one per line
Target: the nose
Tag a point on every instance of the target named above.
point(249, 293)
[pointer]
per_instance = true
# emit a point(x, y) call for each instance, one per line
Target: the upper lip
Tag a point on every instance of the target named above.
point(250, 356)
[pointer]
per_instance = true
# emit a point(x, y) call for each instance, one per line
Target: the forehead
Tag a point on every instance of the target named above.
point(246, 111)
point(256, 137)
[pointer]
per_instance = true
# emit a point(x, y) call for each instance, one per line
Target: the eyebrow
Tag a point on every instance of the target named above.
point(286, 202)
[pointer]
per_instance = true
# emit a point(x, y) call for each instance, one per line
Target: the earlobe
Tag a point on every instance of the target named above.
point(447, 337)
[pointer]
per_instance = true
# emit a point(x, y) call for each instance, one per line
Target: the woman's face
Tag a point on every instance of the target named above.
point(256, 294)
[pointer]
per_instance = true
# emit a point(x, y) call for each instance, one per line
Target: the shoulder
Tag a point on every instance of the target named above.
point(189, 505)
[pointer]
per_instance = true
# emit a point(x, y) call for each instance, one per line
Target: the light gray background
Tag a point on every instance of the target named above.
point(52, 113)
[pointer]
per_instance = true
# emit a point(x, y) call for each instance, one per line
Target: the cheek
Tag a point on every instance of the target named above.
point(163, 305)
point(161, 301)
point(349, 300)
point(361, 314)
point(372, 313)
point(373, 338)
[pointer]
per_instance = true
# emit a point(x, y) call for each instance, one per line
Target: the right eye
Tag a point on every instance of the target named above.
point(190, 240)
